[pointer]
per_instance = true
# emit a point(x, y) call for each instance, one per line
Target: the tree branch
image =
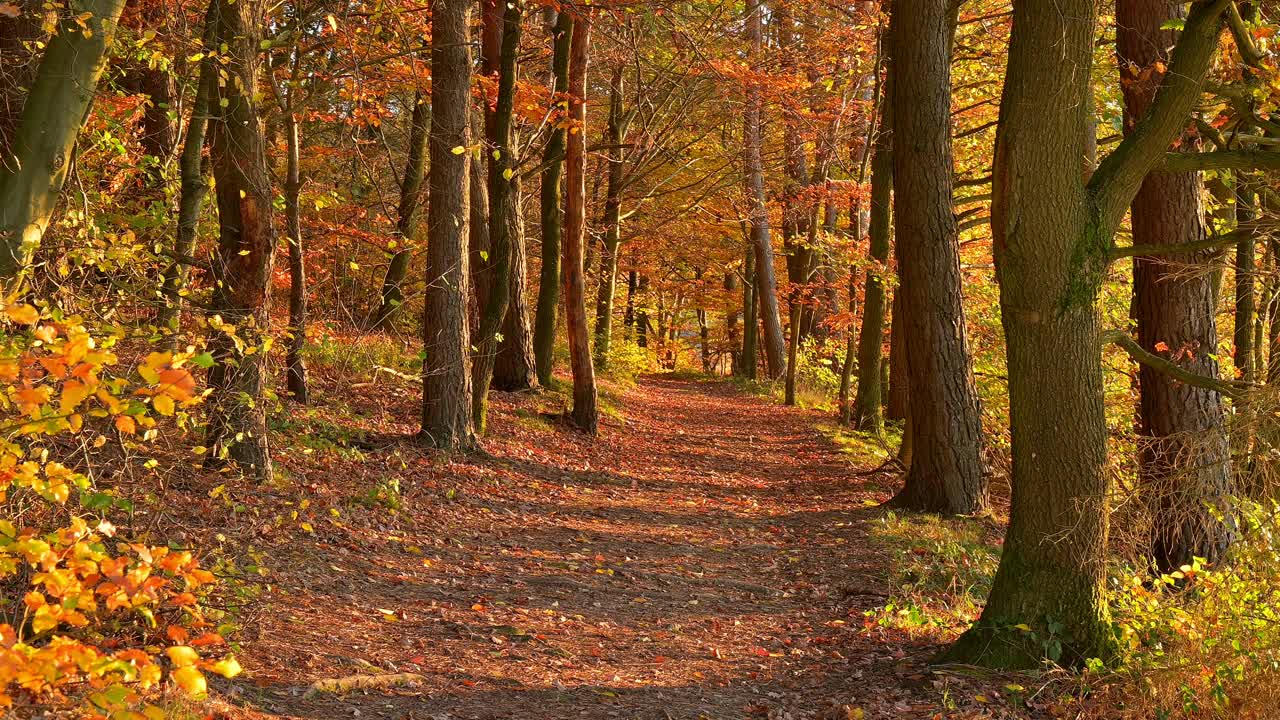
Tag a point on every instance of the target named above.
point(1221, 160)
point(1168, 367)
point(1120, 174)
point(1214, 243)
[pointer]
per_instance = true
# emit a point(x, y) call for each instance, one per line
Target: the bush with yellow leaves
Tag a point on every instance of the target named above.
point(95, 609)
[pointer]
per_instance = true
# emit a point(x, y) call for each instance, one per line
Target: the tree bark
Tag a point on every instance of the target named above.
point(1184, 461)
point(295, 364)
point(243, 261)
point(415, 171)
point(614, 136)
point(766, 280)
point(750, 320)
point(585, 415)
point(515, 368)
point(544, 323)
point(192, 190)
point(31, 179)
point(946, 474)
point(868, 406)
point(1052, 233)
point(502, 167)
point(895, 404)
point(446, 381)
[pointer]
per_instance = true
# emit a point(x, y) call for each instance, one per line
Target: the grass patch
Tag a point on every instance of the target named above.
point(941, 572)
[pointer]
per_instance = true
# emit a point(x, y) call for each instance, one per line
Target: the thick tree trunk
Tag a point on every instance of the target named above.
point(766, 280)
point(1053, 231)
point(868, 406)
point(446, 379)
point(415, 171)
point(1184, 461)
point(544, 322)
point(502, 167)
point(31, 179)
point(192, 190)
point(585, 414)
point(614, 136)
point(245, 254)
point(946, 474)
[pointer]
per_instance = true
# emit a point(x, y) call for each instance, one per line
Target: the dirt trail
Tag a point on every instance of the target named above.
point(706, 559)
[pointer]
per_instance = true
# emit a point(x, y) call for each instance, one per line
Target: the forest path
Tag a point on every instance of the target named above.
point(707, 558)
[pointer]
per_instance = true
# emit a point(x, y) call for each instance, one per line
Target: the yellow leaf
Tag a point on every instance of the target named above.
point(228, 667)
point(163, 404)
point(458, 150)
point(333, 22)
point(24, 314)
point(507, 174)
point(183, 655)
point(191, 681)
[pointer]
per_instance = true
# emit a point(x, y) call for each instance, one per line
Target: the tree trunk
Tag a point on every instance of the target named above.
point(446, 380)
point(642, 314)
point(946, 474)
point(1053, 233)
point(544, 322)
point(192, 191)
point(515, 368)
point(750, 318)
point(895, 404)
point(502, 168)
point(1184, 461)
point(31, 179)
point(415, 171)
point(295, 365)
point(868, 411)
point(245, 254)
point(614, 136)
point(585, 414)
point(766, 280)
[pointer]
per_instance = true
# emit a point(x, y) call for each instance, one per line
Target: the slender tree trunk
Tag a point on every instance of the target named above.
point(242, 264)
point(502, 168)
point(750, 318)
point(415, 172)
point(1184, 461)
point(515, 368)
point(295, 365)
point(895, 404)
point(544, 323)
point(31, 180)
point(614, 135)
point(946, 474)
point(642, 313)
point(585, 414)
point(868, 412)
point(1053, 231)
point(192, 191)
point(766, 281)
point(629, 312)
point(446, 381)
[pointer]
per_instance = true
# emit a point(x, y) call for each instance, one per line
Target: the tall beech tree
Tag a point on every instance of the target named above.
point(615, 131)
point(585, 413)
point(243, 260)
point(446, 374)
point(1184, 460)
point(946, 473)
point(502, 22)
point(1053, 231)
point(758, 211)
point(867, 413)
point(31, 181)
point(544, 323)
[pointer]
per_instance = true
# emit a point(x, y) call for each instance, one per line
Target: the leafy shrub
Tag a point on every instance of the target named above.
point(93, 606)
point(1205, 642)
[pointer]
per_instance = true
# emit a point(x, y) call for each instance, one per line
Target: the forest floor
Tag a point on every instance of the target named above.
point(708, 557)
